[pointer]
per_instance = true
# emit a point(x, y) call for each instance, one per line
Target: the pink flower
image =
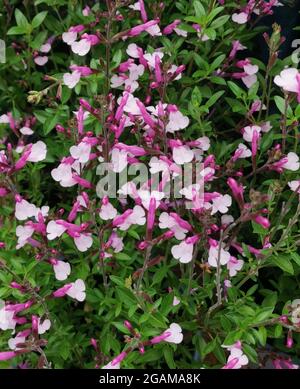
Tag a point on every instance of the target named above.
point(24, 209)
point(77, 290)
point(175, 334)
point(41, 60)
point(294, 185)
point(55, 230)
point(151, 214)
point(143, 11)
point(137, 30)
point(83, 242)
point(64, 172)
point(263, 221)
point(7, 321)
point(177, 121)
point(237, 190)
point(116, 361)
point(183, 252)
point(289, 80)
point(182, 154)
point(61, 269)
point(81, 152)
point(237, 358)
point(137, 216)
point(38, 152)
point(110, 366)
point(221, 204)
point(61, 292)
point(167, 221)
point(23, 233)
point(292, 162)
point(107, 211)
point(241, 152)
point(248, 132)
point(43, 326)
point(234, 265)
point(240, 18)
point(5, 355)
point(170, 28)
point(213, 255)
point(71, 79)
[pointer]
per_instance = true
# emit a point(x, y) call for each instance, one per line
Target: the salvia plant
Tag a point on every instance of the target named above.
point(149, 186)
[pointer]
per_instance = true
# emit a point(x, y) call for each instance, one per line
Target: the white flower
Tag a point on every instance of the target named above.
point(71, 79)
point(119, 160)
point(82, 47)
point(38, 152)
point(213, 256)
point(107, 211)
point(24, 210)
point(183, 252)
point(167, 221)
point(294, 185)
point(234, 265)
point(83, 242)
point(146, 196)
point(63, 174)
point(132, 50)
point(287, 80)
point(26, 131)
point(23, 233)
point(44, 326)
point(177, 121)
point(292, 162)
point(221, 204)
point(54, 230)
point(240, 18)
point(240, 358)
point(249, 131)
point(77, 290)
point(69, 37)
point(182, 155)
point(62, 270)
point(176, 335)
point(7, 321)
point(243, 151)
point(295, 311)
point(81, 152)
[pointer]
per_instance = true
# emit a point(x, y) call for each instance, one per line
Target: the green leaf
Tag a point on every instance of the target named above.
point(116, 59)
point(38, 19)
point(235, 89)
point(217, 23)
point(21, 19)
point(123, 257)
point(17, 30)
point(214, 98)
point(168, 354)
point(39, 40)
point(284, 263)
point(280, 104)
point(296, 258)
point(199, 9)
point(196, 97)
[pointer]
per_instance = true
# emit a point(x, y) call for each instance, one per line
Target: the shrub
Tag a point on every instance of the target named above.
point(104, 264)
